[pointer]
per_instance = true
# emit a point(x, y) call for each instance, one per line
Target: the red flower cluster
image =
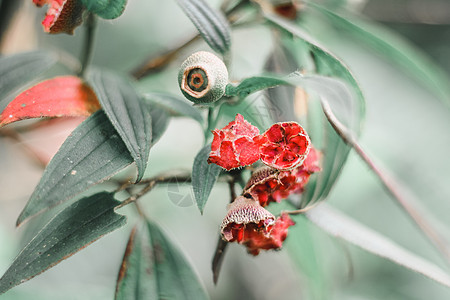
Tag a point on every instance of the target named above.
point(248, 223)
point(290, 160)
point(270, 185)
point(283, 146)
point(62, 15)
point(233, 146)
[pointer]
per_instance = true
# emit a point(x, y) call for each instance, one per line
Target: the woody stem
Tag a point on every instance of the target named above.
point(88, 46)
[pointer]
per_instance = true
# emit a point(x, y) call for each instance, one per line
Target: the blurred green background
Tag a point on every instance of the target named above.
point(406, 130)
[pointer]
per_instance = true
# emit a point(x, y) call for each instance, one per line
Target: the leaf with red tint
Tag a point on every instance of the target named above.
point(66, 96)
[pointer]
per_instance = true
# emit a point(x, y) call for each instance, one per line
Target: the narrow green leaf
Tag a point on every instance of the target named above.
point(326, 63)
point(341, 226)
point(394, 48)
point(106, 9)
point(172, 269)
point(176, 106)
point(204, 177)
point(19, 69)
point(253, 84)
point(160, 121)
point(154, 268)
point(137, 279)
point(212, 25)
point(69, 231)
point(128, 114)
point(91, 154)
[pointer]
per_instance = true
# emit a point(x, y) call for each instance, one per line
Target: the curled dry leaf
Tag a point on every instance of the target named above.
point(66, 96)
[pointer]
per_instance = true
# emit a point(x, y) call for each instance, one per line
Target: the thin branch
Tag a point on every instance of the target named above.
point(392, 186)
point(221, 244)
point(219, 254)
point(36, 157)
point(138, 195)
point(88, 46)
point(168, 177)
point(155, 64)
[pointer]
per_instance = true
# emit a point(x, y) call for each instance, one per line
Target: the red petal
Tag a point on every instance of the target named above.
point(65, 96)
point(275, 133)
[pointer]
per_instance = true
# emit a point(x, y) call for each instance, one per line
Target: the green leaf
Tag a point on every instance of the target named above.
point(204, 177)
point(153, 268)
point(92, 153)
point(128, 114)
point(341, 226)
point(137, 278)
point(212, 25)
point(394, 48)
point(18, 69)
point(106, 9)
point(176, 106)
point(160, 121)
point(325, 62)
point(251, 85)
point(69, 231)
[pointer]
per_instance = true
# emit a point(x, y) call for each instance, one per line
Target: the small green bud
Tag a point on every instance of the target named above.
point(203, 78)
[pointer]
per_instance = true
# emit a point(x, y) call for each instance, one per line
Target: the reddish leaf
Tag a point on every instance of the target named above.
point(66, 96)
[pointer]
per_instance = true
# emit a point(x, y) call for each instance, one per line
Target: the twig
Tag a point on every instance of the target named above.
point(173, 176)
point(88, 43)
point(36, 157)
point(221, 244)
point(138, 195)
point(218, 258)
point(391, 185)
point(156, 63)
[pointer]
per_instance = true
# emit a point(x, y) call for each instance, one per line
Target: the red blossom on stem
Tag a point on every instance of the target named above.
point(248, 223)
point(62, 15)
point(270, 185)
point(284, 145)
point(234, 145)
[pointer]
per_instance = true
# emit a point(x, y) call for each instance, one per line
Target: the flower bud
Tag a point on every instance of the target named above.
point(203, 78)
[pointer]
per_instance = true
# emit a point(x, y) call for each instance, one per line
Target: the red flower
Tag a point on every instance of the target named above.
point(284, 145)
point(270, 185)
point(248, 223)
point(256, 241)
point(233, 146)
point(62, 15)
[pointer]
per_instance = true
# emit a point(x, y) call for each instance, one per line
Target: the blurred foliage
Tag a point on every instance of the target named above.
point(405, 128)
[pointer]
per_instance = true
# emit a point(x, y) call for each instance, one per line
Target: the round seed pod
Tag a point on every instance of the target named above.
point(203, 78)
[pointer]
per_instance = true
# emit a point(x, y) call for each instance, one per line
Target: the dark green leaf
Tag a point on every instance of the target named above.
point(153, 268)
point(212, 25)
point(107, 9)
point(160, 121)
point(18, 69)
point(341, 226)
point(137, 278)
point(251, 85)
point(128, 114)
point(91, 154)
point(204, 177)
point(394, 48)
point(176, 106)
point(69, 231)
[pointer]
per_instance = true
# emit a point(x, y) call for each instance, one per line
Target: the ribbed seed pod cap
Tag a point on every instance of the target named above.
point(203, 78)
